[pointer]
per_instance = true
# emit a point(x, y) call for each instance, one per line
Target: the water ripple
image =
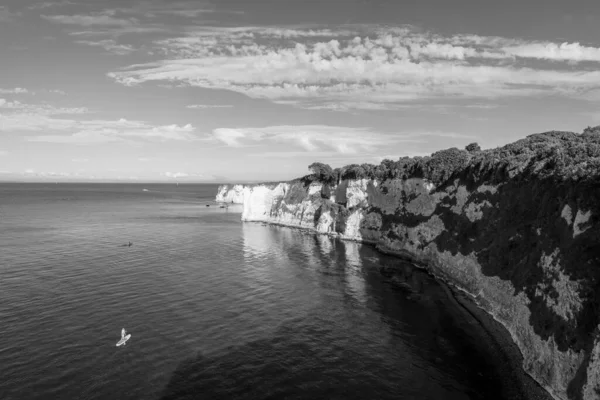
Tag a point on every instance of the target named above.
point(228, 310)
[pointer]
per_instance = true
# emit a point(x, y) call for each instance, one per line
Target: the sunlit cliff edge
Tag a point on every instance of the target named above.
point(517, 227)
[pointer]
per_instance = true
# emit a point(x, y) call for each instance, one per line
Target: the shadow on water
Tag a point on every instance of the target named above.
point(274, 369)
point(404, 335)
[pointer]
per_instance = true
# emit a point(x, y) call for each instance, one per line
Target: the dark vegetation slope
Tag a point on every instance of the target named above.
point(539, 175)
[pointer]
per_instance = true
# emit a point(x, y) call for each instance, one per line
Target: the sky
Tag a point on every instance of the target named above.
point(256, 90)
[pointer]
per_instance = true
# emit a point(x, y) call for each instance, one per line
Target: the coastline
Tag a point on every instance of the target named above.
point(507, 353)
point(515, 227)
point(498, 336)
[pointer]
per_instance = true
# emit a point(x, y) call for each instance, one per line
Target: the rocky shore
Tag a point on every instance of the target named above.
point(517, 228)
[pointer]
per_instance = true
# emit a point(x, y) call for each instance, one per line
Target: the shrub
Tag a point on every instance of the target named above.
point(473, 147)
point(443, 164)
point(322, 172)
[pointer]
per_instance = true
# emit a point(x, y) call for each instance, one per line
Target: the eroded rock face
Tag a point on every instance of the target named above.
point(230, 194)
point(526, 247)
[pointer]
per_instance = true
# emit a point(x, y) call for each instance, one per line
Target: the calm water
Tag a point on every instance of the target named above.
point(216, 308)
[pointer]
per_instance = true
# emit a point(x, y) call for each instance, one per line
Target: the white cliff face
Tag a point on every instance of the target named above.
point(351, 192)
point(230, 194)
point(259, 201)
point(287, 204)
point(356, 193)
point(352, 230)
point(293, 205)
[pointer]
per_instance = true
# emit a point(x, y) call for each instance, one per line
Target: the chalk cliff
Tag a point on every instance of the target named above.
point(517, 227)
point(230, 194)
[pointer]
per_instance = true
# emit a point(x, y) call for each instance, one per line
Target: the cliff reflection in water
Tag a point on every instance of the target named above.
point(335, 327)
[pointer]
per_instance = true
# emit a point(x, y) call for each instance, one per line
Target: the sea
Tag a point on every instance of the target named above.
point(218, 308)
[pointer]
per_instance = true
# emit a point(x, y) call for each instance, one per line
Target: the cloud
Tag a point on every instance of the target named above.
point(3, 152)
point(178, 175)
point(33, 122)
point(82, 137)
point(16, 116)
point(109, 45)
point(80, 160)
point(482, 106)
point(231, 137)
point(33, 173)
point(122, 130)
point(311, 138)
point(50, 4)
point(143, 17)
point(333, 142)
point(116, 31)
point(88, 20)
point(35, 110)
point(17, 90)
point(381, 69)
point(307, 154)
point(573, 52)
point(185, 9)
point(209, 106)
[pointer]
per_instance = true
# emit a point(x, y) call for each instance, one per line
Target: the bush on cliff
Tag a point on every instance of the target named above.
point(443, 164)
point(592, 130)
point(322, 172)
point(353, 171)
point(473, 147)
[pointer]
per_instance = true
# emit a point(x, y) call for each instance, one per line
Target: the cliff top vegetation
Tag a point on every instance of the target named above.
point(554, 154)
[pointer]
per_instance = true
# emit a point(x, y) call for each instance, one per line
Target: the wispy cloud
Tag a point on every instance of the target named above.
point(482, 106)
point(50, 4)
point(15, 107)
point(102, 131)
point(201, 106)
point(180, 175)
point(110, 45)
point(16, 122)
point(111, 23)
point(313, 155)
point(141, 17)
point(17, 90)
point(98, 19)
point(20, 117)
point(114, 31)
point(573, 52)
point(311, 138)
point(380, 69)
point(178, 8)
point(47, 174)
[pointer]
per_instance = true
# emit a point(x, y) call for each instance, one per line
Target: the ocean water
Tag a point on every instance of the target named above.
point(217, 308)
